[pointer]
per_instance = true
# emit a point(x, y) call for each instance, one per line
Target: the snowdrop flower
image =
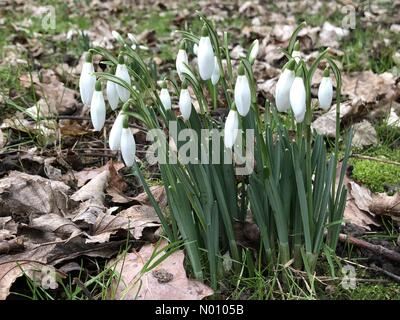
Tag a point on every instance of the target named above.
point(132, 38)
point(128, 144)
point(112, 94)
point(122, 73)
point(297, 97)
point(98, 108)
point(87, 80)
point(242, 92)
point(165, 97)
point(182, 61)
point(216, 74)
point(325, 91)
point(114, 139)
point(283, 85)
point(205, 56)
point(185, 101)
point(255, 47)
point(117, 36)
point(195, 48)
point(231, 128)
point(296, 52)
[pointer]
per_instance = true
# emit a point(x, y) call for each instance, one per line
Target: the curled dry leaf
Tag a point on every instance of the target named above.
point(167, 281)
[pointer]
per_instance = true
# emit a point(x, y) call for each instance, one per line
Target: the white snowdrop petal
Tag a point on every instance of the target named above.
point(122, 73)
point(87, 82)
point(205, 58)
point(325, 93)
point(282, 90)
point(181, 62)
point(298, 99)
point(112, 94)
point(128, 147)
point(165, 98)
point(254, 51)
point(216, 74)
point(114, 140)
point(242, 95)
point(98, 110)
point(296, 55)
point(185, 104)
point(231, 128)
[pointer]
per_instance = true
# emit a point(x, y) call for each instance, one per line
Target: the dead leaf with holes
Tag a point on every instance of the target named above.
point(166, 281)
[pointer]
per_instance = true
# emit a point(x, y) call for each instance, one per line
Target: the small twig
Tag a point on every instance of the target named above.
point(360, 156)
point(395, 277)
point(387, 253)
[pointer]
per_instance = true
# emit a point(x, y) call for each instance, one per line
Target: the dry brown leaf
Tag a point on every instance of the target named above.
point(94, 189)
point(167, 281)
point(140, 217)
point(330, 35)
point(158, 193)
point(357, 203)
point(364, 135)
point(14, 266)
point(383, 204)
point(370, 88)
point(56, 224)
point(55, 97)
point(24, 194)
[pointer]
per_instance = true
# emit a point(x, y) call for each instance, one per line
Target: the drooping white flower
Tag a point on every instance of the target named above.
point(128, 144)
point(297, 98)
point(165, 97)
point(205, 56)
point(122, 73)
point(216, 74)
point(195, 48)
point(325, 91)
point(87, 80)
point(98, 108)
point(255, 47)
point(117, 36)
point(242, 93)
point(181, 61)
point(112, 94)
point(283, 86)
point(296, 55)
point(231, 128)
point(185, 102)
point(114, 139)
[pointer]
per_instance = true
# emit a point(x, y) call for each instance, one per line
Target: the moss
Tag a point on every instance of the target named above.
point(375, 174)
point(369, 291)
